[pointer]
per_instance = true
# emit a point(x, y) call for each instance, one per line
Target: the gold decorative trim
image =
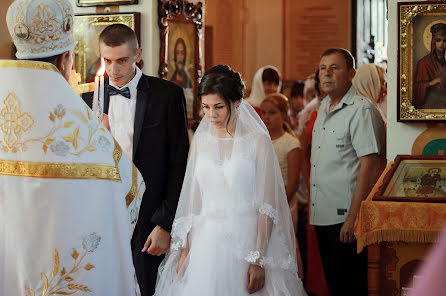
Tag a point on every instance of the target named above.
point(117, 153)
point(28, 65)
point(61, 280)
point(12, 122)
point(84, 88)
point(397, 235)
point(134, 189)
point(59, 170)
point(12, 119)
point(407, 14)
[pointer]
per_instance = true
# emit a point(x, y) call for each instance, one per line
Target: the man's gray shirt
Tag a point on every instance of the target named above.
point(354, 128)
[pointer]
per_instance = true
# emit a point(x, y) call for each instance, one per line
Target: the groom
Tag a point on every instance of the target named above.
point(147, 116)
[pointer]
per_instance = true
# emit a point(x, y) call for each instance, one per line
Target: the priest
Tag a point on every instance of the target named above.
point(69, 197)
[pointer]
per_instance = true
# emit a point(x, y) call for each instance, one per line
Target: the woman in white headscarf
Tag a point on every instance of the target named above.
point(266, 81)
point(232, 233)
point(369, 82)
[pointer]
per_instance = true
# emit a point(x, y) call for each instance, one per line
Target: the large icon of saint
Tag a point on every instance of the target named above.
point(430, 74)
point(180, 75)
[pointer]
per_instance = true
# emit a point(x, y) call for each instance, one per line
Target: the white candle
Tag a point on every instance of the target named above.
point(95, 95)
point(101, 98)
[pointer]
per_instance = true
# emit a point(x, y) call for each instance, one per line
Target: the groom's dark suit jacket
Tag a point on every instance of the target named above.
point(160, 149)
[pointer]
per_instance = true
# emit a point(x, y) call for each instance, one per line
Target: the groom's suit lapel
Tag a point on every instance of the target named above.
point(143, 98)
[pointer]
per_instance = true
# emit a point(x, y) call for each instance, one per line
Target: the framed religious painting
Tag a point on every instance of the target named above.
point(105, 2)
point(87, 29)
point(181, 25)
point(421, 61)
point(415, 178)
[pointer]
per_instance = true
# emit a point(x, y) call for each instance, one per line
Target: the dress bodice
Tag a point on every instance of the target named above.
point(225, 180)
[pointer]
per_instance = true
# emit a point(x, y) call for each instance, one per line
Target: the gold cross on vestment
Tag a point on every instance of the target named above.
point(12, 121)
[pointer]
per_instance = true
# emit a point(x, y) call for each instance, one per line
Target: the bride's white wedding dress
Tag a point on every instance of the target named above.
point(229, 217)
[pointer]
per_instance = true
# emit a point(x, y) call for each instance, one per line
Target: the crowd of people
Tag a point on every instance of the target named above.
point(333, 121)
point(269, 188)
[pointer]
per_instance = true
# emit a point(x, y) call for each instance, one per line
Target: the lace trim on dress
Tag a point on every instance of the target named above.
point(271, 212)
point(182, 226)
point(253, 256)
point(180, 229)
point(287, 261)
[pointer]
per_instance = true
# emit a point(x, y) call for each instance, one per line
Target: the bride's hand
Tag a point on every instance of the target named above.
point(183, 257)
point(256, 278)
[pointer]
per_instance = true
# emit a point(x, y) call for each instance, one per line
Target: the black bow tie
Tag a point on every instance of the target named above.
point(125, 92)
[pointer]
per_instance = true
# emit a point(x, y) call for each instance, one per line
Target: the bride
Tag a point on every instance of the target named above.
point(232, 233)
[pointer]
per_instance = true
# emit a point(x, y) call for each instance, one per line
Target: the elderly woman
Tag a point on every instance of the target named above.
point(369, 82)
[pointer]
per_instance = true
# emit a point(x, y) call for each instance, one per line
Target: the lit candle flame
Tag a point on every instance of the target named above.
point(98, 95)
point(101, 70)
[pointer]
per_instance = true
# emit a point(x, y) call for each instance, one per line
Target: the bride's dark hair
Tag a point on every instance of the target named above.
point(223, 81)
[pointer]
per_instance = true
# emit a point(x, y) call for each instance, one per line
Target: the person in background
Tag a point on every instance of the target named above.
point(369, 82)
point(288, 151)
point(347, 138)
point(311, 104)
point(266, 81)
point(309, 89)
point(306, 121)
point(313, 107)
point(297, 104)
point(315, 281)
point(382, 102)
point(299, 91)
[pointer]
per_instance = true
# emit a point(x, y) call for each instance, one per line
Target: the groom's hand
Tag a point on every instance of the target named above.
point(158, 242)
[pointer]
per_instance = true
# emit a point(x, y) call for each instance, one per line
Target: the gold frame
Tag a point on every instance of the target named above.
point(182, 14)
point(82, 3)
point(399, 185)
point(82, 26)
point(407, 11)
